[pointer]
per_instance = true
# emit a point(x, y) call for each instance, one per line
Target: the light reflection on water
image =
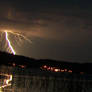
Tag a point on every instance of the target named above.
point(5, 80)
point(21, 80)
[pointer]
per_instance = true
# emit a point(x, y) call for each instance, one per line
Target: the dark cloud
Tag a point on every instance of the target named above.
point(67, 22)
point(58, 22)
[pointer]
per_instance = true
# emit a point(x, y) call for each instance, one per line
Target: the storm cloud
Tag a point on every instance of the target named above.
point(68, 24)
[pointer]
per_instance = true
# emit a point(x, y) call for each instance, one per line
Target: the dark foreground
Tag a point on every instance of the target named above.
point(25, 62)
point(22, 74)
point(34, 80)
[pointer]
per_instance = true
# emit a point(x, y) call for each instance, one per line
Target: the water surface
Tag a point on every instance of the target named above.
point(14, 79)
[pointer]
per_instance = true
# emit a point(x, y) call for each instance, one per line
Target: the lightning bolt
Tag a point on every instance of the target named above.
point(19, 35)
point(19, 38)
point(9, 43)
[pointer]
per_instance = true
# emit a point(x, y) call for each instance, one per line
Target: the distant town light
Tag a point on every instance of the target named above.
point(70, 71)
point(55, 69)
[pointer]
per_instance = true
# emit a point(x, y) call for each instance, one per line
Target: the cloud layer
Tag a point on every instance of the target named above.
point(63, 24)
point(63, 29)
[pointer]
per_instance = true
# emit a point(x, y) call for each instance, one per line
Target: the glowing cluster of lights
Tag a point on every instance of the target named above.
point(7, 80)
point(15, 65)
point(55, 69)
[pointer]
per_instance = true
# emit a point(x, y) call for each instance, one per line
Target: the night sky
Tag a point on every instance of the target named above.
point(58, 29)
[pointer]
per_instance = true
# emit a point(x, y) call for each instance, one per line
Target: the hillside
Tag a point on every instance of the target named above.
point(25, 62)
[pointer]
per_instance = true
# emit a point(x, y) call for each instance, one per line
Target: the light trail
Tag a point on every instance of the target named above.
point(9, 43)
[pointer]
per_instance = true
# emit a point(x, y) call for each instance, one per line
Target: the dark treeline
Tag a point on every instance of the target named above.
point(9, 59)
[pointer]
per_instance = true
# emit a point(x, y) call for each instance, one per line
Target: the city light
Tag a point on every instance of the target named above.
point(55, 69)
